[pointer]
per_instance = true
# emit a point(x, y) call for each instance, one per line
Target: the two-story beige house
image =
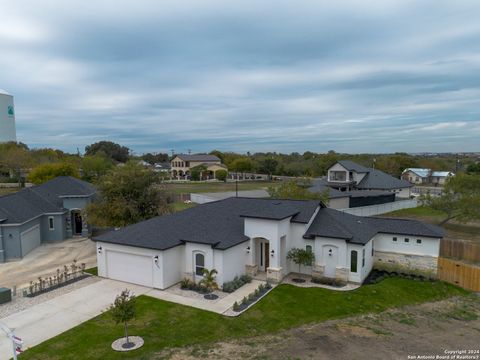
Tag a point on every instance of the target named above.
point(182, 165)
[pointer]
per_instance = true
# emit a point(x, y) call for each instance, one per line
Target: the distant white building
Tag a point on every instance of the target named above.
point(7, 118)
point(426, 176)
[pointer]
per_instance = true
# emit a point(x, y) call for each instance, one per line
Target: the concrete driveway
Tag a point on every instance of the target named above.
point(48, 319)
point(45, 260)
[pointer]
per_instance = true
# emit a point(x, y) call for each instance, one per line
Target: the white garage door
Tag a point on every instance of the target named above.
point(131, 268)
point(30, 239)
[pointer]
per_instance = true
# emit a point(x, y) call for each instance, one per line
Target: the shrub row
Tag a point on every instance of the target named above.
point(237, 282)
point(252, 297)
point(328, 281)
point(187, 284)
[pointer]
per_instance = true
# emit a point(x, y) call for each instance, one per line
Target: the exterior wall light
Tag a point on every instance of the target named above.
point(100, 249)
point(272, 253)
point(330, 252)
point(156, 259)
point(248, 250)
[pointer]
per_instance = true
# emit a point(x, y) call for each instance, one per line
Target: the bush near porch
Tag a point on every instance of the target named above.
point(164, 324)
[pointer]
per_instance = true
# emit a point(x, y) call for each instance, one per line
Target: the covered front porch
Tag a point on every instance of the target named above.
point(267, 260)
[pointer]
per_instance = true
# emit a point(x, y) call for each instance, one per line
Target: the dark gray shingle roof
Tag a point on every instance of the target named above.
point(219, 223)
point(376, 179)
point(353, 166)
point(357, 229)
point(46, 198)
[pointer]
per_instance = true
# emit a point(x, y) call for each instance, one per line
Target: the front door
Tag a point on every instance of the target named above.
point(266, 255)
point(77, 220)
point(330, 259)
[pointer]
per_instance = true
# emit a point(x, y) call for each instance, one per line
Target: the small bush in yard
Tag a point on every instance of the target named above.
point(237, 282)
point(186, 284)
point(244, 300)
point(236, 307)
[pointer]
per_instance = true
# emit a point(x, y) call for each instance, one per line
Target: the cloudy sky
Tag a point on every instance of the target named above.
point(352, 76)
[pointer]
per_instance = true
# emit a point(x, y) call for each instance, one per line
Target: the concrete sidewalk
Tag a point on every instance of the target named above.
point(48, 319)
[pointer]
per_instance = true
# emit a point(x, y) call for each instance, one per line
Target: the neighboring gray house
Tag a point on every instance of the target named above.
point(44, 213)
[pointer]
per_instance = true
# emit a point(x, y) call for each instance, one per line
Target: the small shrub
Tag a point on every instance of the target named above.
point(185, 284)
point(256, 293)
point(246, 279)
point(261, 288)
point(244, 301)
point(236, 307)
point(268, 286)
point(251, 297)
point(237, 282)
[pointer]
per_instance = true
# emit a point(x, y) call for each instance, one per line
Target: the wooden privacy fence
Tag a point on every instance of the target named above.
point(458, 273)
point(462, 250)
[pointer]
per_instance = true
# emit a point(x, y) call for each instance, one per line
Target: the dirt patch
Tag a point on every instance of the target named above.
point(427, 329)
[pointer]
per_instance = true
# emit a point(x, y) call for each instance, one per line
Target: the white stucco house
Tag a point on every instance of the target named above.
point(239, 236)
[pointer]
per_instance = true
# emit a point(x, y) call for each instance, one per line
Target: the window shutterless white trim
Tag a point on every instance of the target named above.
point(51, 223)
point(418, 242)
point(199, 263)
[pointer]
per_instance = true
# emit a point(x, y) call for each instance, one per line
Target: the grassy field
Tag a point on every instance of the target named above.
point(206, 187)
point(165, 325)
point(453, 229)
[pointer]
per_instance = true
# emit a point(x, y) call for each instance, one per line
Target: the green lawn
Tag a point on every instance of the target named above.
point(205, 187)
point(163, 324)
point(421, 211)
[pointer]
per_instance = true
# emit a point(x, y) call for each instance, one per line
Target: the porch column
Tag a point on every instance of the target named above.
point(251, 268)
point(274, 271)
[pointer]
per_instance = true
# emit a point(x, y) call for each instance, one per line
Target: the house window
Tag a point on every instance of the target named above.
point(308, 248)
point(199, 264)
point(51, 224)
point(363, 258)
point(407, 240)
point(353, 261)
point(419, 241)
point(394, 239)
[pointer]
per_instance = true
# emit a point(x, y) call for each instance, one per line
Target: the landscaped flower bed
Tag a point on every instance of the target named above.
point(328, 281)
point(187, 284)
point(236, 283)
point(69, 275)
point(252, 297)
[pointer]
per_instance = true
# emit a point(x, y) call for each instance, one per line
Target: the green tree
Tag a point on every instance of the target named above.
point(94, 167)
point(152, 159)
point(109, 149)
point(268, 166)
point(242, 165)
point(123, 310)
point(15, 159)
point(473, 168)
point(221, 175)
point(301, 257)
point(196, 172)
point(291, 190)
point(45, 172)
point(460, 199)
point(128, 194)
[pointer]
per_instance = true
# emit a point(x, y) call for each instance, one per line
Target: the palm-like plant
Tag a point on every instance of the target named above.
point(209, 279)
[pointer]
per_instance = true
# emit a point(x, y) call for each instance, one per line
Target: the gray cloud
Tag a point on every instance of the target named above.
point(245, 76)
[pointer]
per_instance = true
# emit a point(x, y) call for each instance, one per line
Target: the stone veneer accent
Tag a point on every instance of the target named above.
point(389, 260)
point(341, 274)
point(251, 270)
point(318, 270)
point(274, 274)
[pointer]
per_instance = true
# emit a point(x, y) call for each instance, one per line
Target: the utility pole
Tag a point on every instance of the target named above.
point(236, 187)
